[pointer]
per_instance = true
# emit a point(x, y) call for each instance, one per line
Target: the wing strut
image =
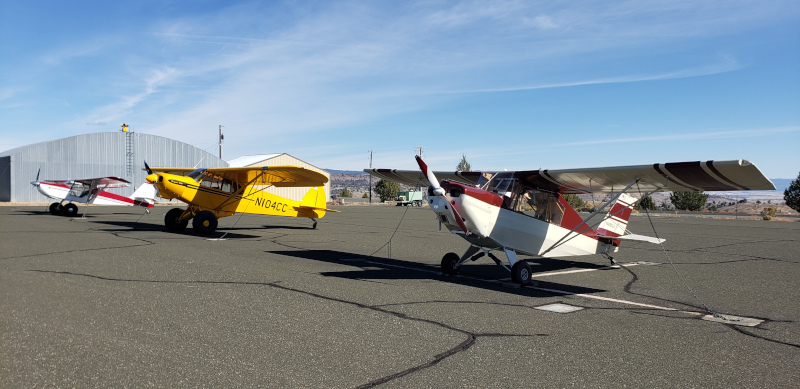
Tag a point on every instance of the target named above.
point(564, 238)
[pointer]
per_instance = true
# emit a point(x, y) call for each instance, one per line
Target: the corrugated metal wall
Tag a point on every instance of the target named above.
point(293, 193)
point(96, 155)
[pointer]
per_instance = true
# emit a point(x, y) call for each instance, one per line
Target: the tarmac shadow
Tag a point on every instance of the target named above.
point(490, 277)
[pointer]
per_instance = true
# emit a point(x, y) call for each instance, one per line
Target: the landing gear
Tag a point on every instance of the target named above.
point(55, 208)
point(173, 220)
point(521, 273)
point(449, 263)
point(69, 210)
point(315, 224)
point(204, 223)
point(520, 270)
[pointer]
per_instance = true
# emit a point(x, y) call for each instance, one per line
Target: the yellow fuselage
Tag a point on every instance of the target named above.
point(245, 199)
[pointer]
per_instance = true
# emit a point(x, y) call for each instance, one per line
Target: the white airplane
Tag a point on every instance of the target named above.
point(524, 212)
point(92, 191)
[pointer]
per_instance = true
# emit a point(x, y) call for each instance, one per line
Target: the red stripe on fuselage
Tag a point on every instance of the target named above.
point(571, 219)
point(479, 194)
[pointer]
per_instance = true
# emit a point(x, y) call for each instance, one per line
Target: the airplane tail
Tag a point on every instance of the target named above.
point(615, 224)
point(616, 221)
point(314, 202)
point(144, 195)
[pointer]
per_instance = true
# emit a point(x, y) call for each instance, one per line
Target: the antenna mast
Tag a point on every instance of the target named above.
point(221, 137)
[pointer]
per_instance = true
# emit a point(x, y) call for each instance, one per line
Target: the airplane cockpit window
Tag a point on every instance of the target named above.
point(79, 189)
point(215, 182)
point(484, 178)
point(197, 175)
point(500, 183)
point(540, 205)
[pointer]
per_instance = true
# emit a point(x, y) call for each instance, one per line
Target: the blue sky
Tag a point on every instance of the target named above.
point(512, 85)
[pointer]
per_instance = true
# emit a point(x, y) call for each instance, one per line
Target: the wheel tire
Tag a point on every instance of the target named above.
point(173, 222)
point(55, 208)
point(69, 210)
point(204, 223)
point(521, 273)
point(449, 262)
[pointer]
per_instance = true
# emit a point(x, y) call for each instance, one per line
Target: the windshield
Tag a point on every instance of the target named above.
point(79, 189)
point(501, 183)
point(197, 175)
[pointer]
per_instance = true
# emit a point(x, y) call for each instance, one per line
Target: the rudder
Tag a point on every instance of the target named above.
point(616, 221)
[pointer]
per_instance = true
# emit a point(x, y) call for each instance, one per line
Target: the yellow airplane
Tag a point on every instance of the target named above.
point(219, 192)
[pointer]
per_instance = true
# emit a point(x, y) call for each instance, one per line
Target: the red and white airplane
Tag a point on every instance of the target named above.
point(524, 212)
point(92, 191)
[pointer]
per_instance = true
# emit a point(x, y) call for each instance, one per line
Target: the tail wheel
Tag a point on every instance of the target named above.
point(449, 262)
point(521, 273)
point(204, 222)
point(69, 210)
point(55, 208)
point(173, 222)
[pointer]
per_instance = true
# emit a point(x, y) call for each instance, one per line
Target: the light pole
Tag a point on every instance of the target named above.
point(370, 176)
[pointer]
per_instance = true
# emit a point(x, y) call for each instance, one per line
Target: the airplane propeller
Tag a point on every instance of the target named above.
point(440, 192)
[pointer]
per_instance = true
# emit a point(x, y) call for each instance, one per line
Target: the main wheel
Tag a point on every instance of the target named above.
point(449, 262)
point(204, 222)
point(69, 210)
point(521, 273)
point(173, 222)
point(55, 208)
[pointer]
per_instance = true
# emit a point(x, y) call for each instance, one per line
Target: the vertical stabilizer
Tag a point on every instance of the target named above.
point(616, 221)
point(145, 194)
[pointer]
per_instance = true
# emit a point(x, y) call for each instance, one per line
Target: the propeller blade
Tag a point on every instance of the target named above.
point(149, 172)
point(430, 176)
point(37, 174)
point(439, 191)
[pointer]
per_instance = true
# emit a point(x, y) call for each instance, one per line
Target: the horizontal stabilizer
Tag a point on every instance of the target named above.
point(307, 208)
point(640, 238)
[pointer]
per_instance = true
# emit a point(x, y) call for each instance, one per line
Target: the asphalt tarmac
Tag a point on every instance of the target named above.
point(114, 300)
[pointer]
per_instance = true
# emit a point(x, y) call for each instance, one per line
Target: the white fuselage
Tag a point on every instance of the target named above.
point(494, 227)
point(62, 192)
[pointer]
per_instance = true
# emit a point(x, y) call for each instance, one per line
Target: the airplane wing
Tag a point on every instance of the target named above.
point(281, 176)
point(105, 182)
point(728, 175)
point(416, 178)
point(100, 183)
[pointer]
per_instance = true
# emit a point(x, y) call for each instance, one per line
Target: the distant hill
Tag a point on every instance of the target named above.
point(782, 183)
point(353, 172)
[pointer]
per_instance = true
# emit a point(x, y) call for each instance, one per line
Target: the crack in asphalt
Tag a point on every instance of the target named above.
point(635, 278)
point(471, 337)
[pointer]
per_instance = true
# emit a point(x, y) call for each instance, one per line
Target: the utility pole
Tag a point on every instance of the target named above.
point(370, 176)
point(420, 150)
point(221, 137)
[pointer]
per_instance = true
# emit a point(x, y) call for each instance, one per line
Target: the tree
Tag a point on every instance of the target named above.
point(688, 201)
point(574, 201)
point(463, 166)
point(646, 203)
point(365, 196)
point(387, 190)
point(792, 194)
point(345, 193)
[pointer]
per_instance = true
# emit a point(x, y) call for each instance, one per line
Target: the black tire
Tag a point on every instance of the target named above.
point(449, 262)
point(69, 210)
point(521, 273)
point(55, 208)
point(173, 222)
point(204, 223)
